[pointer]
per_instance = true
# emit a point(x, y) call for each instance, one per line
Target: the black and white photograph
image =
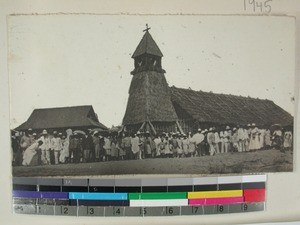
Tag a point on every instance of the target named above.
point(96, 95)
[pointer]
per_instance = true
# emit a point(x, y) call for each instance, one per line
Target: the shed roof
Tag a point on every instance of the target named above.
point(64, 117)
point(229, 109)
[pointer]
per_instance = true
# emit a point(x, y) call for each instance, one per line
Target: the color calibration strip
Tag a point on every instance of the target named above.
point(139, 197)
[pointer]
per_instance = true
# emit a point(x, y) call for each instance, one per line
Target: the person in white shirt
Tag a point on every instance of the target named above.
point(135, 146)
point(211, 141)
point(241, 139)
point(198, 138)
point(45, 148)
point(157, 141)
point(30, 152)
point(246, 139)
point(57, 147)
point(225, 140)
point(254, 138)
point(288, 140)
point(185, 145)
point(217, 141)
point(53, 146)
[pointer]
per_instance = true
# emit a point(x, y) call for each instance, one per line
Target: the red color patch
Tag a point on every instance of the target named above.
point(254, 195)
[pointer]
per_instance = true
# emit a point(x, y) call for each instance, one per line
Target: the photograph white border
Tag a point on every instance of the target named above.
point(282, 188)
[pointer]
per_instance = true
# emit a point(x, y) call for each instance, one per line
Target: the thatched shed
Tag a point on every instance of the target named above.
point(202, 109)
point(75, 117)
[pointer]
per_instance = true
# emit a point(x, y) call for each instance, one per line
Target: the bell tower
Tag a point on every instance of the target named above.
point(149, 106)
point(147, 56)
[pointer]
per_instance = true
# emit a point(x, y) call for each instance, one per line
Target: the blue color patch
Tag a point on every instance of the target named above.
point(98, 196)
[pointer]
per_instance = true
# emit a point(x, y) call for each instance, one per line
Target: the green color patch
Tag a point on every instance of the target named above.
point(158, 195)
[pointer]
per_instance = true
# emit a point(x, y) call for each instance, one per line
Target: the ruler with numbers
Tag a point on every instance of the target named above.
point(139, 197)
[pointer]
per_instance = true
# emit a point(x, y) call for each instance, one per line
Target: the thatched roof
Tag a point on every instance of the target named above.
point(147, 45)
point(228, 109)
point(149, 99)
point(65, 117)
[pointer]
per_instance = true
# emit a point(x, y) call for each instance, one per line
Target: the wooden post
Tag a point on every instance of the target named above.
point(142, 126)
point(179, 127)
point(152, 127)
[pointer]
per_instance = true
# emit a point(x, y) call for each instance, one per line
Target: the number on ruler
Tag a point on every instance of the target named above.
point(169, 210)
point(91, 211)
point(195, 209)
point(65, 210)
point(20, 208)
point(39, 209)
point(143, 211)
point(220, 208)
point(117, 211)
point(244, 207)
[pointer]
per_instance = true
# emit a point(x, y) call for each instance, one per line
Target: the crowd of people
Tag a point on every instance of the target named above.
point(47, 148)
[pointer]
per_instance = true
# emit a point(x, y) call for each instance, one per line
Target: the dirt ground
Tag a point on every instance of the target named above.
point(246, 162)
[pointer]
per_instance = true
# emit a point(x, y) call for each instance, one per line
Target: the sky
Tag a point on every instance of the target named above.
point(69, 60)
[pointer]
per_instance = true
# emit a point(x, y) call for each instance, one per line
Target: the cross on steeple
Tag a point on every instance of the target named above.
point(147, 28)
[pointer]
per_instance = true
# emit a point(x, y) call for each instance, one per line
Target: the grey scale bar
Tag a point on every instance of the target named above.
point(128, 182)
point(25, 180)
point(155, 182)
point(205, 180)
point(75, 182)
point(102, 182)
point(180, 181)
point(50, 181)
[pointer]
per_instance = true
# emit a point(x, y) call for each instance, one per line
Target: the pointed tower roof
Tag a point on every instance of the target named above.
point(147, 45)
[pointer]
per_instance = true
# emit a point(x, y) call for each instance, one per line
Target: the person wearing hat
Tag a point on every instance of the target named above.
point(241, 138)
point(141, 145)
point(29, 157)
point(204, 144)
point(268, 139)
point(65, 152)
point(198, 138)
point(88, 147)
point(126, 145)
point(192, 145)
point(174, 145)
point(15, 146)
point(135, 145)
point(185, 145)
point(96, 142)
point(288, 140)
point(149, 147)
point(38, 151)
point(254, 138)
point(217, 140)
point(74, 148)
point(26, 140)
point(157, 141)
point(54, 147)
point(224, 140)
point(165, 148)
point(211, 141)
point(57, 148)
point(45, 148)
point(179, 146)
point(235, 140)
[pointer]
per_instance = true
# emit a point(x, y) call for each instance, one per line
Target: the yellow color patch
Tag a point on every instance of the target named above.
point(215, 194)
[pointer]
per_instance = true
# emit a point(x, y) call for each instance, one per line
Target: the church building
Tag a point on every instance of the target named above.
point(155, 107)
